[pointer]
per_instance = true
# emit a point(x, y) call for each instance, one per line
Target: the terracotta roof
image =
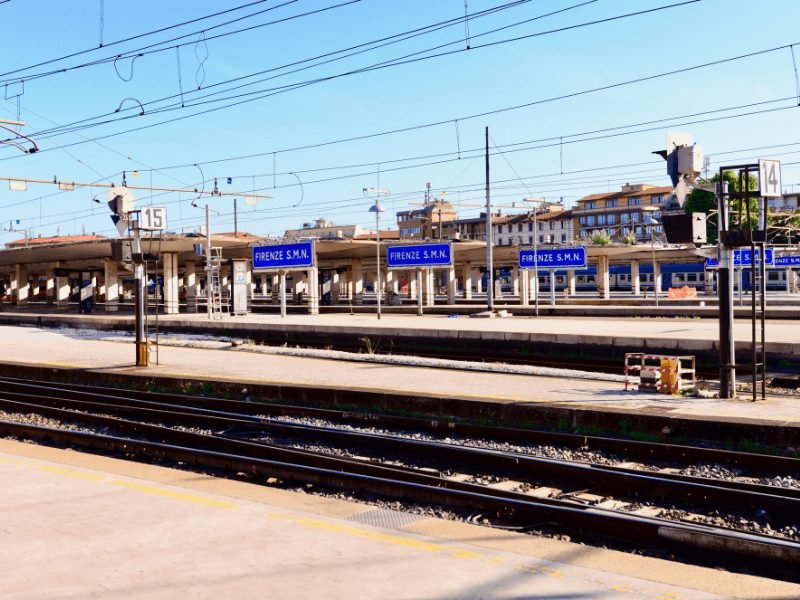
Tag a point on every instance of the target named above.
point(241, 234)
point(389, 234)
point(525, 217)
point(649, 191)
point(59, 239)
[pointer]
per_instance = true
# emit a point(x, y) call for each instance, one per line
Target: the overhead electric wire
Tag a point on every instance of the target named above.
point(514, 147)
point(366, 69)
point(159, 46)
point(579, 183)
point(351, 54)
point(556, 140)
point(135, 37)
point(408, 35)
point(480, 114)
point(365, 47)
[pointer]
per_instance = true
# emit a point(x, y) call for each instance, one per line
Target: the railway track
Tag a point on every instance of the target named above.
point(633, 500)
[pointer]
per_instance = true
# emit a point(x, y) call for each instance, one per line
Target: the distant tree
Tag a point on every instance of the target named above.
point(705, 202)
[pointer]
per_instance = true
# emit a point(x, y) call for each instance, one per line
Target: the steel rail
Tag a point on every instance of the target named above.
point(762, 553)
point(638, 485)
point(755, 464)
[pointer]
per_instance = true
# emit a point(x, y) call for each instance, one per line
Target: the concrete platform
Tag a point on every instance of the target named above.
point(470, 394)
point(684, 335)
point(82, 526)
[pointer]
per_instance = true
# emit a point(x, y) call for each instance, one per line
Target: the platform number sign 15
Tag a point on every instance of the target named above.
point(154, 218)
point(770, 178)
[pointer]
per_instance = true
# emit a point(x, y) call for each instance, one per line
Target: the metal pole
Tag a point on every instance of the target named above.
point(282, 283)
point(419, 292)
point(535, 262)
point(378, 257)
point(235, 219)
point(653, 251)
point(763, 272)
point(552, 287)
point(208, 262)
point(727, 362)
point(753, 348)
point(142, 358)
point(489, 257)
point(762, 224)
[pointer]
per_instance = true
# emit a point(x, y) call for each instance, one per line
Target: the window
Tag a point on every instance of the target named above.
point(530, 239)
point(611, 219)
point(519, 227)
point(773, 276)
point(611, 203)
point(601, 219)
point(634, 201)
point(691, 277)
point(552, 225)
point(530, 226)
point(563, 237)
point(590, 220)
point(590, 205)
point(541, 239)
point(499, 229)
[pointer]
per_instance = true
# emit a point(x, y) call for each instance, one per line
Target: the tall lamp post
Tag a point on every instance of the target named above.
point(377, 209)
point(652, 224)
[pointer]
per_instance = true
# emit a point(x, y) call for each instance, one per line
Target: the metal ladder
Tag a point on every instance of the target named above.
point(758, 312)
point(214, 285)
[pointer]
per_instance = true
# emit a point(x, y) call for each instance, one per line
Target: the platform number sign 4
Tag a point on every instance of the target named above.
point(770, 178)
point(154, 218)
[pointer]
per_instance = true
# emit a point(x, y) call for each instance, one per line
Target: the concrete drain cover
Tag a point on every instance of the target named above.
point(389, 519)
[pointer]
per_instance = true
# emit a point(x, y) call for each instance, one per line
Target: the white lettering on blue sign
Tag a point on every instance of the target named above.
point(422, 255)
point(553, 257)
point(285, 256)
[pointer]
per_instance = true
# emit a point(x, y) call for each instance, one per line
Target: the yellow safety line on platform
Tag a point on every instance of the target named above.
point(338, 528)
point(71, 473)
point(158, 491)
point(131, 485)
point(437, 548)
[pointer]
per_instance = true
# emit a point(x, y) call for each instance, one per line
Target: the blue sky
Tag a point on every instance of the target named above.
point(445, 90)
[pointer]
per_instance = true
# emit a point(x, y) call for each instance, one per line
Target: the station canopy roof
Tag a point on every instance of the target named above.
point(76, 252)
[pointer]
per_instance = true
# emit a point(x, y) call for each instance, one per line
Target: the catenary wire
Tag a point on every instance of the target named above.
point(366, 69)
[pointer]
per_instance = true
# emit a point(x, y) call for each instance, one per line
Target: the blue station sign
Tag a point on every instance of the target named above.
point(419, 255)
point(284, 256)
point(553, 258)
point(743, 257)
point(788, 261)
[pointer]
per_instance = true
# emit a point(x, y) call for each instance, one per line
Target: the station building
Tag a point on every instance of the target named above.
point(51, 270)
point(346, 271)
point(621, 211)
